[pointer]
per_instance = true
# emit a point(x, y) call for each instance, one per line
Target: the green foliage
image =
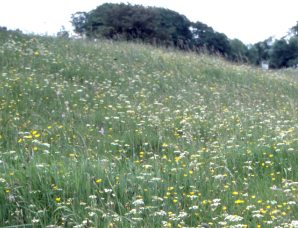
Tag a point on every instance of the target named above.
point(115, 134)
point(79, 21)
point(280, 54)
point(63, 33)
point(165, 27)
point(205, 38)
point(284, 53)
point(253, 55)
point(239, 51)
point(127, 22)
point(263, 50)
point(294, 30)
point(151, 25)
point(293, 49)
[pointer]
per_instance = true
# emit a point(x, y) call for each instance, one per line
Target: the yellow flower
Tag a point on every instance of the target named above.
point(239, 201)
point(169, 224)
point(28, 137)
point(98, 181)
point(164, 145)
point(177, 159)
point(262, 211)
point(170, 188)
point(58, 199)
point(55, 187)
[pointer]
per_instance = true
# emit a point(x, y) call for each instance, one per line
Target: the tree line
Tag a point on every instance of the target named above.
point(160, 26)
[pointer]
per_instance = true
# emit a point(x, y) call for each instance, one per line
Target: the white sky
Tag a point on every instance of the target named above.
point(248, 20)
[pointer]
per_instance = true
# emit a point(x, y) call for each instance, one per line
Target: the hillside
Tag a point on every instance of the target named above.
point(103, 134)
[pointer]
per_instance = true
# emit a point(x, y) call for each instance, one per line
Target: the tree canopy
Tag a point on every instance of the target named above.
point(127, 22)
point(160, 26)
point(148, 24)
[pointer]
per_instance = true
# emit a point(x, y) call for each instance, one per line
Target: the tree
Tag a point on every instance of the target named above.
point(280, 54)
point(293, 52)
point(260, 51)
point(253, 55)
point(219, 43)
point(200, 34)
point(239, 51)
point(159, 26)
point(204, 37)
point(121, 21)
point(294, 30)
point(79, 22)
point(63, 33)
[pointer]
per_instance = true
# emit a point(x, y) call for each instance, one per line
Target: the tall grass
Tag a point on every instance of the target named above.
point(125, 135)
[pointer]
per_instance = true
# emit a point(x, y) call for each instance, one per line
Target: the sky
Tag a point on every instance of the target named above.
point(250, 21)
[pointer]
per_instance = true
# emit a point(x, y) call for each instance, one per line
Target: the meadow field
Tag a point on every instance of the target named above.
point(106, 134)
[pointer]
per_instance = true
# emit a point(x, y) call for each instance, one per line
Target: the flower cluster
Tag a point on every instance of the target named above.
point(120, 135)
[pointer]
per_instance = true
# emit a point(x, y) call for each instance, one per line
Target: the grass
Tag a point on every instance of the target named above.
point(125, 135)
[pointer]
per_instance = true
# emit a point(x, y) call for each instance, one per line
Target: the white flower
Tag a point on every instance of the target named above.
point(156, 179)
point(101, 131)
point(138, 202)
point(34, 220)
point(160, 213)
point(156, 198)
point(182, 214)
point(137, 219)
point(257, 215)
point(91, 214)
point(249, 207)
point(233, 218)
point(132, 211)
point(193, 208)
point(2, 180)
point(219, 177)
point(294, 223)
point(239, 226)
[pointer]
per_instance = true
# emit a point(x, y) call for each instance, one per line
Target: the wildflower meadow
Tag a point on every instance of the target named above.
point(115, 134)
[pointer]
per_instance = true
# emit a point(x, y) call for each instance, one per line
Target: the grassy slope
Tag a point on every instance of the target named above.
point(127, 135)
